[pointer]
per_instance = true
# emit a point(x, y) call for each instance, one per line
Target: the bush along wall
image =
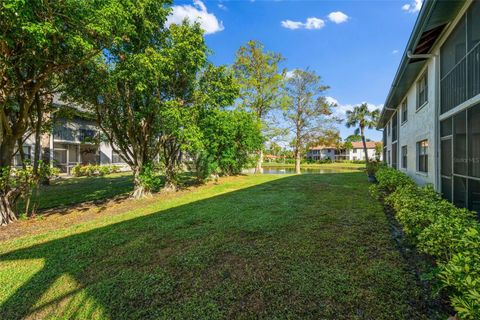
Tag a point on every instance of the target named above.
point(437, 228)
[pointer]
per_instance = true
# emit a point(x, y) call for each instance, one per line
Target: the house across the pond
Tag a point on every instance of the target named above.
point(336, 153)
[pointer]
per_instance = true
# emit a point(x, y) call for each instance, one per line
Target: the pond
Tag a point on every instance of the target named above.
point(291, 170)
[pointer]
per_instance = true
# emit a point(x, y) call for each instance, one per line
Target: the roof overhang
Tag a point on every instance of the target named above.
point(432, 21)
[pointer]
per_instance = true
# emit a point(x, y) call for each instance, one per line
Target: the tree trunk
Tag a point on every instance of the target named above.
point(170, 183)
point(139, 190)
point(6, 212)
point(364, 146)
point(171, 157)
point(259, 168)
point(297, 161)
point(38, 134)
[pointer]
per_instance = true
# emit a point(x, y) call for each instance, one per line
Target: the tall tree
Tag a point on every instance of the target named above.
point(257, 72)
point(361, 118)
point(308, 112)
point(143, 92)
point(40, 40)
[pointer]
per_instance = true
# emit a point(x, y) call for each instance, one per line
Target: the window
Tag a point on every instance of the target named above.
point(404, 157)
point(354, 150)
point(394, 156)
point(422, 155)
point(395, 127)
point(87, 135)
point(460, 158)
point(460, 143)
point(388, 157)
point(18, 158)
point(116, 158)
point(422, 90)
point(459, 61)
point(473, 139)
point(404, 111)
point(61, 132)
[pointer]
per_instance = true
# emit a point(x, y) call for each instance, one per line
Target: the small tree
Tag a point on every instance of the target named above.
point(361, 117)
point(307, 112)
point(257, 73)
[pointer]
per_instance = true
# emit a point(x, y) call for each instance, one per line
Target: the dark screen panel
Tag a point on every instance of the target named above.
point(460, 144)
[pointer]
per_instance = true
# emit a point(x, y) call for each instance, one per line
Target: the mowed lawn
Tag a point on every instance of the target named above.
point(69, 191)
point(264, 246)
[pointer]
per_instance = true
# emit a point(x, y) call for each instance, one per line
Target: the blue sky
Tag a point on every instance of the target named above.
point(356, 49)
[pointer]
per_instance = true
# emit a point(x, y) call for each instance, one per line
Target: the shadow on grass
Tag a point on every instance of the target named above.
point(301, 246)
point(65, 193)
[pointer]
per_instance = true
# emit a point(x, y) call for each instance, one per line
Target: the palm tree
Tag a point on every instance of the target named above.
point(361, 118)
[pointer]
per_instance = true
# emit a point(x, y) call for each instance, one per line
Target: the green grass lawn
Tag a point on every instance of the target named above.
point(333, 165)
point(260, 246)
point(68, 191)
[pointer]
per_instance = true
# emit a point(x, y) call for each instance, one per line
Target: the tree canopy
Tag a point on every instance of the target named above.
point(260, 81)
point(308, 113)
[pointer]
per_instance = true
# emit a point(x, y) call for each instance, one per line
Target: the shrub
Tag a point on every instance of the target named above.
point(372, 167)
point(417, 208)
point(91, 170)
point(390, 179)
point(461, 274)
point(205, 166)
point(445, 236)
point(151, 178)
point(438, 228)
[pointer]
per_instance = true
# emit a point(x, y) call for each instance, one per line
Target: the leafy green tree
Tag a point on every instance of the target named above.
point(39, 41)
point(143, 92)
point(362, 118)
point(354, 138)
point(229, 139)
point(257, 72)
point(327, 137)
point(308, 113)
point(347, 145)
point(274, 148)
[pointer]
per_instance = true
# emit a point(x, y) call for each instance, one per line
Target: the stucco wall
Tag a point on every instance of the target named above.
point(420, 125)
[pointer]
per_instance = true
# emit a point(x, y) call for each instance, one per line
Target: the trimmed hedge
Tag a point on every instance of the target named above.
point(441, 230)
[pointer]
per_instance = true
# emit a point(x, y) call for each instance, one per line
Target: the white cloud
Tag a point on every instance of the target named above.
point(413, 6)
point(341, 109)
point(290, 73)
point(338, 17)
point(197, 12)
point(331, 100)
point(394, 51)
point(289, 24)
point(222, 6)
point(314, 23)
point(311, 24)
